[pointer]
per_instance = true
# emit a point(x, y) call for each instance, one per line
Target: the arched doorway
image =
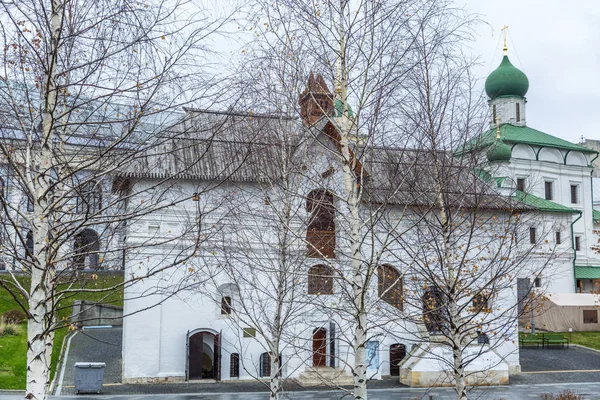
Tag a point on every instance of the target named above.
point(86, 249)
point(320, 347)
point(397, 354)
point(204, 355)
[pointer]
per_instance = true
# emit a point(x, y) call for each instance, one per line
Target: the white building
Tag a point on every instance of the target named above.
point(194, 334)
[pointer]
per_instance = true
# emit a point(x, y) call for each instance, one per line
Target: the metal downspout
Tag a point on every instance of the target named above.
point(592, 196)
point(574, 250)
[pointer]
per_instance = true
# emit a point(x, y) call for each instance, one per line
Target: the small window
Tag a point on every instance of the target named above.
point(482, 338)
point(590, 316)
point(521, 184)
point(265, 365)
point(249, 332)
point(234, 365)
point(578, 243)
point(226, 305)
point(89, 199)
point(480, 303)
point(320, 280)
point(548, 193)
point(557, 236)
point(537, 282)
point(494, 114)
point(518, 109)
point(574, 194)
point(532, 238)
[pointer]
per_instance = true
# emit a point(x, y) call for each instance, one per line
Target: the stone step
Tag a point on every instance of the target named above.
point(325, 376)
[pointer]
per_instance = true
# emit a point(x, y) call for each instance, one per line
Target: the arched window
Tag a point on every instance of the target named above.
point(89, 199)
point(265, 365)
point(320, 279)
point(480, 303)
point(86, 250)
point(433, 311)
point(397, 354)
point(320, 235)
point(234, 365)
point(226, 305)
point(389, 285)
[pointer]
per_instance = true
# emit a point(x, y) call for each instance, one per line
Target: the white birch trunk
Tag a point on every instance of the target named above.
point(40, 336)
point(275, 383)
point(358, 282)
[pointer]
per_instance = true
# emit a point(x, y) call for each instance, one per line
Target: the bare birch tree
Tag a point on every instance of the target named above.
point(470, 243)
point(366, 49)
point(87, 89)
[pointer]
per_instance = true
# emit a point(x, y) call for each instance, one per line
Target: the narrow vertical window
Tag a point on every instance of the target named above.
point(557, 233)
point(389, 284)
point(532, 238)
point(518, 112)
point(320, 235)
point(577, 243)
point(265, 365)
point(537, 282)
point(226, 305)
point(548, 190)
point(574, 194)
point(521, 184)
point(234, 365)
point(480, 303)
point(494, 114)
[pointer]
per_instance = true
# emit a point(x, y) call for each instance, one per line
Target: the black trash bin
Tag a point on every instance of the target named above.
point(89, 377)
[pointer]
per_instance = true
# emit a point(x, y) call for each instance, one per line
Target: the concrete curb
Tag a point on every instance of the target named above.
point(585, 347)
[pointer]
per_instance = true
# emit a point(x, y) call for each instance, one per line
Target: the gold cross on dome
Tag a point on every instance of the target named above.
point(505, 48)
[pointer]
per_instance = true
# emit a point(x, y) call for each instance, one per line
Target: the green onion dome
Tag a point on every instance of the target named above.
point(339, 109)
point(506, 80)
point(499, 151)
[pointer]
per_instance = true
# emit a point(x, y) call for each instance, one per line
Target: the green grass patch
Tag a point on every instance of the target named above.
point(587, 339)
point(13, 349)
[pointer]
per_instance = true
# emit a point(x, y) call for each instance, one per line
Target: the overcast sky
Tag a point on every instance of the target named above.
point(557, 44)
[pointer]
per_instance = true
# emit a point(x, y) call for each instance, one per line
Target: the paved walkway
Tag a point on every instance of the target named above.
point(589, 391)
point(558, 367)
point(94, 345)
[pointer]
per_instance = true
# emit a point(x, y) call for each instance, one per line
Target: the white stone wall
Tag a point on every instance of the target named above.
point(154, 339)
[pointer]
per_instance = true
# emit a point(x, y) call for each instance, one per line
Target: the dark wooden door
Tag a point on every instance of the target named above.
point(319, 347)
point(397, 353)
point(217, 360)
point(195, 356)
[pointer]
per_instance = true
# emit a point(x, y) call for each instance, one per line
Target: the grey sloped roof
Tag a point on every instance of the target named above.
point(219, 146)
point(249, 148)
point(208, 160)
point(407, 177)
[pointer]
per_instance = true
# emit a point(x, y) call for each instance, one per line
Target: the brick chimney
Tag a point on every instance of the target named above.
point(316, 100)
